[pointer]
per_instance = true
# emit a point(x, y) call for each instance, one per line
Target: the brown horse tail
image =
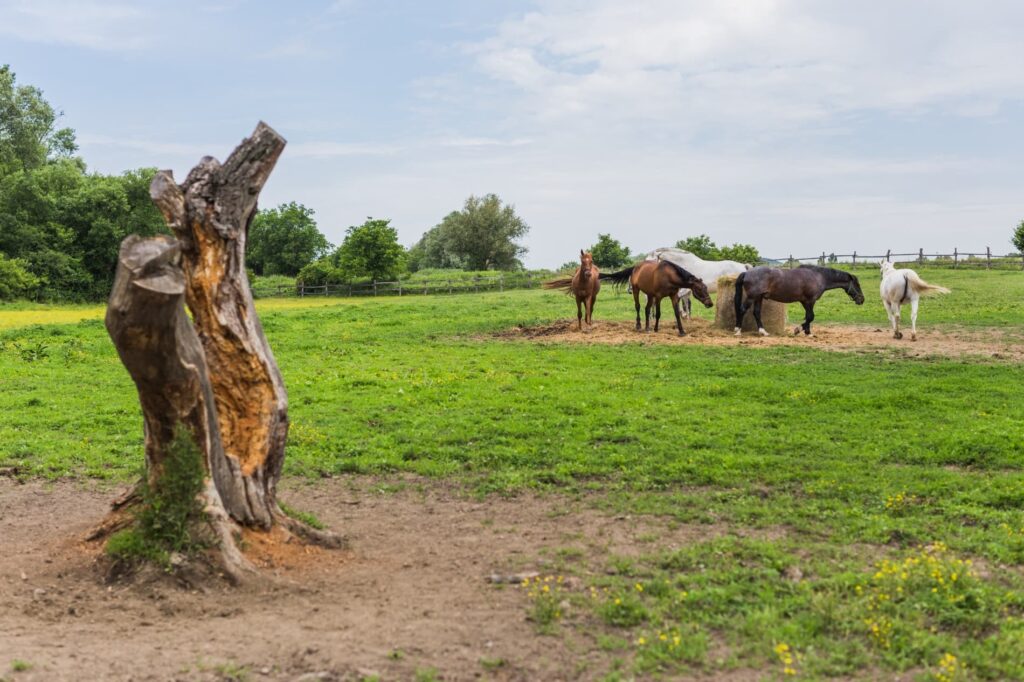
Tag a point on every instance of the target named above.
point(564, 283)
point(620, 277)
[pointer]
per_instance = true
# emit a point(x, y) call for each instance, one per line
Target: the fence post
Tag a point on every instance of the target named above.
point(529, 280)
point(449, 286)
point(920, 256)
point(374, 287)
point(854, 259)
point(988, 257)
point(399, 286)
point(790, 263)
point(501, 282)
point(888, 255)
point(956, 258)
point(822, 261)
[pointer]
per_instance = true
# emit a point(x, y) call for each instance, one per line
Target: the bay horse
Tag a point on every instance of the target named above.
point(804, 284)
point(708, 270)
point(584, 285)
point(899, 287)
point(659, 279)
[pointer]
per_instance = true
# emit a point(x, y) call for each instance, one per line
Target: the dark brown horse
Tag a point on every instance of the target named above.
point(584, 285)
point(804, 284)
point(658, 279)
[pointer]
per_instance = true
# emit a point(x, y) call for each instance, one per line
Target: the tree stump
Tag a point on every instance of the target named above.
point(213, 378)
point(773, 313)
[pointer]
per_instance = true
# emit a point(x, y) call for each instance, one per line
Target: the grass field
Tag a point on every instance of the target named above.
point(866, 508)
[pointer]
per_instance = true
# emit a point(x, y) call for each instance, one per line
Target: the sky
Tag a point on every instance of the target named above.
point(797, 126)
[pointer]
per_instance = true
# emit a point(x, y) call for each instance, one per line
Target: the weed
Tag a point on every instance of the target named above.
point(19, 666)
point(307, 518)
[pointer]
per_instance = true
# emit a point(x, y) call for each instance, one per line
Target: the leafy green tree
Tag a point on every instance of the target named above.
point(700, 246)
point(742, 253)
point(609, 253)
point(283, 240)
point(482, 236)
point(432, 251)
point(371, 250)
point(15, 280)
point(1018, 238)
point(28, 136)
point(321, 272)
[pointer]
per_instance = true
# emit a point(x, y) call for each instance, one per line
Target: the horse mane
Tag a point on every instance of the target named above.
point(831, 275)
point(686, 275)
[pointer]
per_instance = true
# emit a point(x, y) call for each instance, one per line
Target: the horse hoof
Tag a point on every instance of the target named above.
point(796, 332)
point(763, 332)
point(738, 332)
point(913, 337)
point(898, 335)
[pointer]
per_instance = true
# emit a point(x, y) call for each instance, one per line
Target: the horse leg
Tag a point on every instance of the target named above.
point(913, 318)
point(742, 307)
point(897, 314)
point(809, 307)
point(636, 302)
point(757, 316)
point(647, 313)
point(579, 314)
point(685, 299)
point(591, 300)
point(657, 313)
point(679, 319)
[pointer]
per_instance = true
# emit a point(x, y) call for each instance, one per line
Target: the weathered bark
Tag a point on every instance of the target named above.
point(214, 375)
point(210, 214)
point(159, 347)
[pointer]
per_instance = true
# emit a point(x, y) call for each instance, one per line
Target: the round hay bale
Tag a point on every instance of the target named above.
point(773, 314)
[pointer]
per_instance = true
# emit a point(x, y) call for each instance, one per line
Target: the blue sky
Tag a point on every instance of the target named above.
point(796, 126)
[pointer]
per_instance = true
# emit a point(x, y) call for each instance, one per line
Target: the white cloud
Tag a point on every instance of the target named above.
point(93, 24)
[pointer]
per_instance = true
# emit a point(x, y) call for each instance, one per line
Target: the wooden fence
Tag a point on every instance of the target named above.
point(958, 259)
point(502, 281)
point(457, 285)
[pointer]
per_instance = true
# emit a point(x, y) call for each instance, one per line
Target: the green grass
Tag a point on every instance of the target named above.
point(847, 459)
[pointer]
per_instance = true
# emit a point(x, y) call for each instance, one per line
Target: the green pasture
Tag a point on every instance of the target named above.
point(841, 465)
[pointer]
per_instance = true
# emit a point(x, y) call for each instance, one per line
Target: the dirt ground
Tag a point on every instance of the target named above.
point(410, 594)
point(993, 343)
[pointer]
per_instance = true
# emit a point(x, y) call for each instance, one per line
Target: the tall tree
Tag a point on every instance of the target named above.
point(371, 250)
point(609, 253)
point(1018, 238)
point(28, 136)
point(700, 246)
point(483, 234)
point(284, 240)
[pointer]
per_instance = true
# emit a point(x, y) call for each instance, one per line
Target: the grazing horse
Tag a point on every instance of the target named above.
point(658, 279)
point(900, 286)
point(804, 284)
point(584, 285)
point(707, 270)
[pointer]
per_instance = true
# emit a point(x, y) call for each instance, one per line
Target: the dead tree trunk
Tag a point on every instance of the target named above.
point(215, 375)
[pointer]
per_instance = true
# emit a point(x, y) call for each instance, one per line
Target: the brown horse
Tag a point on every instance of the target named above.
point(584, 285)
point(804, 284)
point(658, 279)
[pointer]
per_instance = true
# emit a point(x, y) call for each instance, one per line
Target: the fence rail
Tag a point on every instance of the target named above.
point(958, 259)
point(476, 284)
point(507, 281)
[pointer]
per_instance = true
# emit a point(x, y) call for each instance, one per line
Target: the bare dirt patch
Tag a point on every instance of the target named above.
point(410, 594)
point(995, 343)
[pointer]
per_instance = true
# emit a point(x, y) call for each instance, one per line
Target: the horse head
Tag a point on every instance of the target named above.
point(586, 263)
point(700, 291)
point(853, 290)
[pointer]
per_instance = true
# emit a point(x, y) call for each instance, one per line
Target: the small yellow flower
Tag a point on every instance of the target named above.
point(639, 587)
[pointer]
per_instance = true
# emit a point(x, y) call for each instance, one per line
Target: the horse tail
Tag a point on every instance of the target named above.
point(620, 277)
point(738, 298)
point(563, 283)
point(922, 287)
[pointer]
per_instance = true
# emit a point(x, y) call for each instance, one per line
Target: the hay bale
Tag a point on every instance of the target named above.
point(773, 314)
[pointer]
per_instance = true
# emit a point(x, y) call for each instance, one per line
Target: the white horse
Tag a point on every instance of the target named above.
point(707, 270)
point(900, 286)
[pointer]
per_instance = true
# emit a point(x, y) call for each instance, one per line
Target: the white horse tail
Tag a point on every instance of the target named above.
point(922, 287)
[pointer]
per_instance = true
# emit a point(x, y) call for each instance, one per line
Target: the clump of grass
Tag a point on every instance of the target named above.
point(670, 648)
point(169, 506)
point(622, 609)
point(307, 518)
point(546, 596)
point(19, 666)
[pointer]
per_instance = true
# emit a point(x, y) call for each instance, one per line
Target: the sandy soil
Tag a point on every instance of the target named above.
point(411, 593)
point(993, 343)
